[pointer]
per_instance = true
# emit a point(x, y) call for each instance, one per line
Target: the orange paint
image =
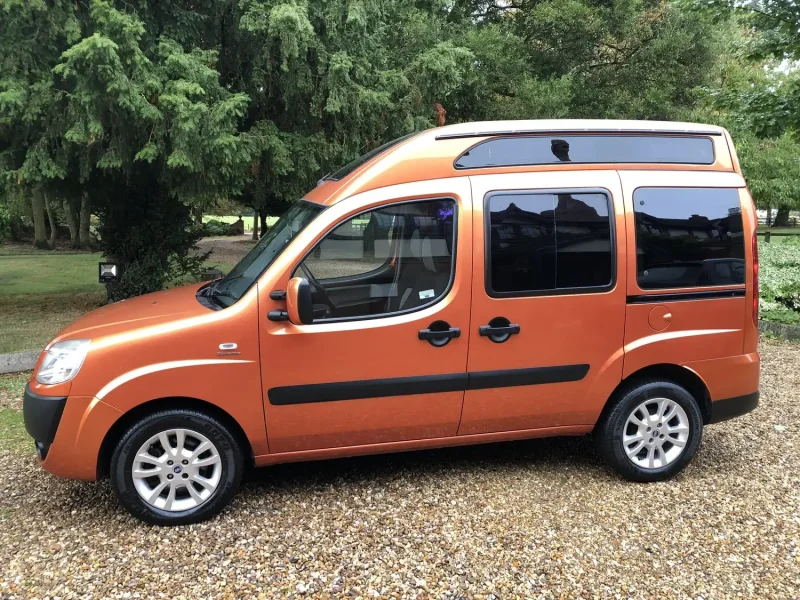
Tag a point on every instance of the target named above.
point(169, 345)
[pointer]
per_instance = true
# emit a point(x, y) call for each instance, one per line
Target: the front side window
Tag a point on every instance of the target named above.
point(389, 260)
point(688, 237)
point(554, 242)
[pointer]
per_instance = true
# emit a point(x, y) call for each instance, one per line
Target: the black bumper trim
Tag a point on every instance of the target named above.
point(730, 408)
point(42, 415)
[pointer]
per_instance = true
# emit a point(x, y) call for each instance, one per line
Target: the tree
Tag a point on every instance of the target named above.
point(578, 58)
point(147, 112)
point(753, 97)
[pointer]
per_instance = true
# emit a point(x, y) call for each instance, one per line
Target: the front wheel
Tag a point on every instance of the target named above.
point(652, 431)
point(176, 467)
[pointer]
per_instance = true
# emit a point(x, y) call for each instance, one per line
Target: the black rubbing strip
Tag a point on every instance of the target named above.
point(681, 296)
point(481, 380)
point(425, 384)
point(367, 388)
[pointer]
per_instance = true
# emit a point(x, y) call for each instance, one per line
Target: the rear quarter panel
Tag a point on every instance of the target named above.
point(702, 334)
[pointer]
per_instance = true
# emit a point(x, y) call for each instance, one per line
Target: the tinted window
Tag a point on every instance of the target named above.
point(541, 242)
point(688, 237)
point(504, 152)
point(393, 259)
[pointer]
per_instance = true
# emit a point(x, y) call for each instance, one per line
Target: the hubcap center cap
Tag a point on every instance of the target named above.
point(177, 469)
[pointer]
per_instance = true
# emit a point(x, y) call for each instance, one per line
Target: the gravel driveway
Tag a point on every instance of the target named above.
point(539, 519)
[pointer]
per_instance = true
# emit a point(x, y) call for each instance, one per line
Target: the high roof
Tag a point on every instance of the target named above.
point(431, 154)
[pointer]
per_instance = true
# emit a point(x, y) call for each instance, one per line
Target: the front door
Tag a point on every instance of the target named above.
point(548, 300)
point(385, 358)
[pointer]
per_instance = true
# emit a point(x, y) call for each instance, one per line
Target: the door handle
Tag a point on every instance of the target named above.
point(488, 330)
point(498, 330)
point(439, 333)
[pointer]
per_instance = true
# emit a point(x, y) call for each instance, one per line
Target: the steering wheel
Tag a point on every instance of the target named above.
point(317, 286)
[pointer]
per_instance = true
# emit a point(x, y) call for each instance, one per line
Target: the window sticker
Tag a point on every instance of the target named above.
point(426, 294)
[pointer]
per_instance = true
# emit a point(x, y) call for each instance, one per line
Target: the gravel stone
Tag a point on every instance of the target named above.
point(534, 519)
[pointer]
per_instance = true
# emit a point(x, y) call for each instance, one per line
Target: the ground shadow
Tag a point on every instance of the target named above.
point(550, 454)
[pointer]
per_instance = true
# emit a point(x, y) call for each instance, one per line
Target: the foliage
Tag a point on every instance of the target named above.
point(5, 224)
point(754, 99)
point(576, 58)
point(146, 230)
point(779, 281)
point(772, 169)
point(214, 227)
point(159, 111)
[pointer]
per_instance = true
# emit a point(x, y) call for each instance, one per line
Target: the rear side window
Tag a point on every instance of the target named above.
point(688, 237)
point(540, 243)
point(546, 150)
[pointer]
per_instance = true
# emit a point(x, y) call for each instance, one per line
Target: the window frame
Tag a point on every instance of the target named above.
point(677, 290)
point(556, 163)
point(487, 239)
point(436, 300)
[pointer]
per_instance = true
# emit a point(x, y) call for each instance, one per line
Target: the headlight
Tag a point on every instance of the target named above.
point(62, 361)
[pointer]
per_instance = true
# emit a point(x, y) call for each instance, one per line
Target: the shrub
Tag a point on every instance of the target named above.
point(152, 239)
point(779, 274)
point(5, 224)
point(213, 227)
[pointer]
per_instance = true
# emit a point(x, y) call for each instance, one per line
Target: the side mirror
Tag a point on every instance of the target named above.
point(299, 304)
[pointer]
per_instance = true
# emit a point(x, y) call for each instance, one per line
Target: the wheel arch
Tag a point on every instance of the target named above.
point(140, 411)
point(682, 376)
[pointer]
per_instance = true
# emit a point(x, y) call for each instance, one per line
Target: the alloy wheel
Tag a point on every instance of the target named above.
point(176, 470)
point(656, 433)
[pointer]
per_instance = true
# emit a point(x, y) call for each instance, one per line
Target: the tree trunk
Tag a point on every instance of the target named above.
point(782, 218)
point(53, 226)
point(198, 215)
point(263, 222)
point(85, 220)
point(39, 233)
point(769, 216)
point(255, 225)
point(71, 214)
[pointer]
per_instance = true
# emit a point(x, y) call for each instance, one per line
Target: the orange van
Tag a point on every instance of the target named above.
point(473, 283)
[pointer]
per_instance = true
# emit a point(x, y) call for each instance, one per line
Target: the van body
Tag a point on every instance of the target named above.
point(473, 283)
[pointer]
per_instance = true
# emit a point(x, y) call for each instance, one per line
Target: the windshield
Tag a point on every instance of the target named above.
point(228, 290)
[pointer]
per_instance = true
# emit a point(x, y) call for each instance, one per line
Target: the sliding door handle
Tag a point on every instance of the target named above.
point(489, 331)
point(498, 330)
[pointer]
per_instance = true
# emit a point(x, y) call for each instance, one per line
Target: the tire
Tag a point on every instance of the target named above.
point(213, 471)
point(660, 456)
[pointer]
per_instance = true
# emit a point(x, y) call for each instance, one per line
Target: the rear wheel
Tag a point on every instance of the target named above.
point(651, 432)
point(176, 467)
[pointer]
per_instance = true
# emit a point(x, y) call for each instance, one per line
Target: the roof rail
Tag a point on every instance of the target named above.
point(573, 131)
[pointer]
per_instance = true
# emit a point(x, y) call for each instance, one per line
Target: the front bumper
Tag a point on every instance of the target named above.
point(42, 415)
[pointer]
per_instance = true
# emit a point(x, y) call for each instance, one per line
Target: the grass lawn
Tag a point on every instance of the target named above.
point(42, 292)
point(29, 321)
point(11, 387)
point(13, 437)
point(780, 239)
point(49, 272)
